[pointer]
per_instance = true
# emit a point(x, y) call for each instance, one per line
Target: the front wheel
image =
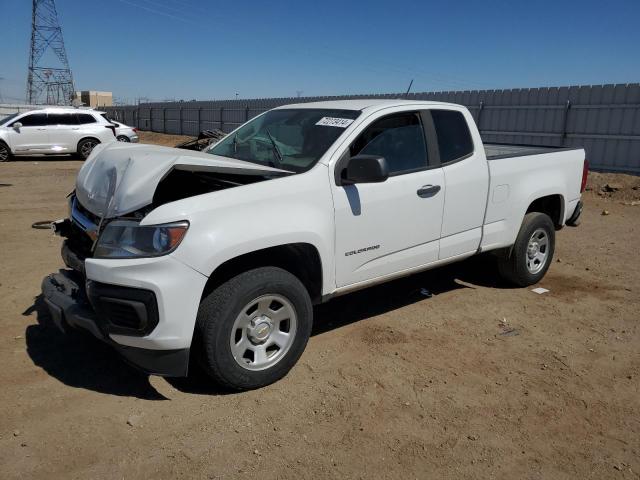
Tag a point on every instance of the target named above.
point(5, 152)
point(254, 327)
point(532, 252)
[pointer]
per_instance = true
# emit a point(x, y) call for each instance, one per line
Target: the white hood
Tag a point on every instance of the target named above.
point(120, 178)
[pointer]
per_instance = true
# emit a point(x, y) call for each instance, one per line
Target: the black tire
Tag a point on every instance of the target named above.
point(123, 138)
point(513, 267)
point(220, 309)
point(5, 152)
point(83, 147)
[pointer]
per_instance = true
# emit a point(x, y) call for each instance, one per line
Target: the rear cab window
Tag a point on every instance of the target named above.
point(454, 137)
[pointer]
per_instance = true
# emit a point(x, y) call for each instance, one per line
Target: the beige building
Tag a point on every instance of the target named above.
point(92, 98)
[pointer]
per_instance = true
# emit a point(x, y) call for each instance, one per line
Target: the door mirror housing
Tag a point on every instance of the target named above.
point(364, 169)
point(17, 126)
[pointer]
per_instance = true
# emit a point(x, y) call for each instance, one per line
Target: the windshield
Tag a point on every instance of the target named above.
point(290, 139)
point(6, 120)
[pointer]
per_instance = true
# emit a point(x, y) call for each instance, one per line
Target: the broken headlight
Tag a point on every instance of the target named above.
point(129, 239)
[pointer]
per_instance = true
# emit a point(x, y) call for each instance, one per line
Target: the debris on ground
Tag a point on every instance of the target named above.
point(134, 420)
point(615, 186)
point(510, 332)
point(539, 290)
point(608, 187)
point(426, 293)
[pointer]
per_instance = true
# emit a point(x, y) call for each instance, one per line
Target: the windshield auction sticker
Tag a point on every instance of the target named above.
point(335, 122)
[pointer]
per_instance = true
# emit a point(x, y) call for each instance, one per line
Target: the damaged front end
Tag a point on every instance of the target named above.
point(115, 191)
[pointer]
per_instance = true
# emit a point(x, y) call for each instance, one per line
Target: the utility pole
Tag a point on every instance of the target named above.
point(49, 80)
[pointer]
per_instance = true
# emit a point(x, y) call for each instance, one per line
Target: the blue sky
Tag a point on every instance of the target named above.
point(212, 49)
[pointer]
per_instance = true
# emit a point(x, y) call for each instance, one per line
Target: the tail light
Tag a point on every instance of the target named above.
point(135, 130)
point(112, 128)
point(585, 174)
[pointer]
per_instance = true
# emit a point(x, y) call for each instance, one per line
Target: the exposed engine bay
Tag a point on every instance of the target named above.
point(179, 184)
point(83, 227)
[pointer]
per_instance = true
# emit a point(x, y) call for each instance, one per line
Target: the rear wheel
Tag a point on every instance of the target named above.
point(123, 138)
point(5, 152)
point(86, 146)
point(254, 327)
point(532, 252)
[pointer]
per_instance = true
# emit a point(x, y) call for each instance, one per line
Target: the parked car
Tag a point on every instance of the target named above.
point(222, 253)
point(54, 131)
point(125, 133)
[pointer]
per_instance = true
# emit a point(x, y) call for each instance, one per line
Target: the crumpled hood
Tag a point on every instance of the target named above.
point(120, 178)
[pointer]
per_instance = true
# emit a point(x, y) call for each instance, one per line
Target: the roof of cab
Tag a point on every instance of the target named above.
point(364, 103)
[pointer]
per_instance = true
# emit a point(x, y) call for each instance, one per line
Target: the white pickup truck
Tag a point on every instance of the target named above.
point(219, 255)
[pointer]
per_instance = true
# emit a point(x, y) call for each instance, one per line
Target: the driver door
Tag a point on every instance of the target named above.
point(385, 228)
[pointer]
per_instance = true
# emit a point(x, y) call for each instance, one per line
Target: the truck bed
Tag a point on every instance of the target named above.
point(496, 151)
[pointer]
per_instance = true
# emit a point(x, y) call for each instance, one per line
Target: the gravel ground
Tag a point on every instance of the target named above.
point(478, 381)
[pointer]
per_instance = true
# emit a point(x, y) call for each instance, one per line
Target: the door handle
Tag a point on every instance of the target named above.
point(42, 129)
point(428, 191)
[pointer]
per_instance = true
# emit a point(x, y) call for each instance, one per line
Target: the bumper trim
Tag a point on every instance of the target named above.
point(165, 363)
point(65, 296)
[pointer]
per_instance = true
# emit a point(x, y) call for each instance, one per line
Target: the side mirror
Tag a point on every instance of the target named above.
point(17, 126)
point(364, 169)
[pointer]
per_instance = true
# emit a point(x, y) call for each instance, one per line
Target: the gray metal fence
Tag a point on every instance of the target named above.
point(7, 109)
point(604, 119)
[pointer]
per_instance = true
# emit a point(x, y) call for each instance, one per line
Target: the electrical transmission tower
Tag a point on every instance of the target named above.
point(49, 80)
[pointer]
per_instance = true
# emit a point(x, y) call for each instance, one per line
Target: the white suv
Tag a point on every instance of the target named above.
point(54, 131)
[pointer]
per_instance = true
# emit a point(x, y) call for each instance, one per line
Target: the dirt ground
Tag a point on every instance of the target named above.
point(478, 381)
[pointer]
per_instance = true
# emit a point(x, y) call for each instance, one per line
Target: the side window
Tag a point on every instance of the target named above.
point(33, 120)
point(454, 138)
point(62, 119)
point(398, 138)
point(84, 118)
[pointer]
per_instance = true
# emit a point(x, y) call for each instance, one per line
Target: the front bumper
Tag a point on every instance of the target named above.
point(66, 297)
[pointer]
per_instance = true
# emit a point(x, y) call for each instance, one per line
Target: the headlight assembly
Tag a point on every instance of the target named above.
point(128, 239)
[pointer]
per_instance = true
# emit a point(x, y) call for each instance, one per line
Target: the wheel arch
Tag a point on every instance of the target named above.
point(552, 205)
point(300, 259)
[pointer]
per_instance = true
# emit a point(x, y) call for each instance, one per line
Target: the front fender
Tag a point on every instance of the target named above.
point(241, 220)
